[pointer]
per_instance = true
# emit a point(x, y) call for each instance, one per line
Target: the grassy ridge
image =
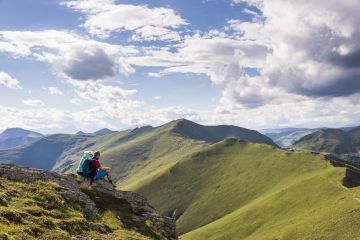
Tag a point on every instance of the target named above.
point(334, 141)
point(39, 211)
point(146, 150)
point(239, 190)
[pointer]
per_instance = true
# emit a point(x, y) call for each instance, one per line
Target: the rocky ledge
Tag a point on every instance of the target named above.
point(77, 190)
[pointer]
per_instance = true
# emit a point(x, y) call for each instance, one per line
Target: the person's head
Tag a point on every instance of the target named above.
point(97, 155)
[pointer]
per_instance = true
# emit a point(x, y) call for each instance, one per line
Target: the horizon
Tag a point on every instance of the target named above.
point(84, 65)
point(124, 129)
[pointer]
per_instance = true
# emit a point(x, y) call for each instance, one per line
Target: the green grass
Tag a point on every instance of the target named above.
point(334, 141)
point(240, 190)
point(135, 156)
point(38, 211)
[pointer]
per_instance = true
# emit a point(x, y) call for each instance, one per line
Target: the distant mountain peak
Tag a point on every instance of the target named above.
point(98, 133)
point(13, 137)
point(103, 131)
point(217, 133)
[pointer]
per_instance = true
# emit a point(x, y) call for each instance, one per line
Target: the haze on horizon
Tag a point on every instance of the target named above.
point(88, 64)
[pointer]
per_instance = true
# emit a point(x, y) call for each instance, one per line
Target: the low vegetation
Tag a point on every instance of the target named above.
point(241, 190)
point(38, 211)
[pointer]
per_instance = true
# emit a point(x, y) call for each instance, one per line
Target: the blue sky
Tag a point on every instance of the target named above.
point(87, 64)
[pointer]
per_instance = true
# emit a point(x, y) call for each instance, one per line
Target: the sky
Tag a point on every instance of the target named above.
point(69, 65)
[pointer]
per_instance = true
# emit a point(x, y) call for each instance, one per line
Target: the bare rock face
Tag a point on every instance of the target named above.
point(142, 210)
point(71, 190)
point(351, 178)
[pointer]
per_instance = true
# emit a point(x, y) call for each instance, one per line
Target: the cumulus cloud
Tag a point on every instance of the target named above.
point(113, 101)
point(298, 48)
point(33, 102)
point(8, 81)
point(70, 55)
point(313, 45)
point(88, 64)
point(105, 16)
point(55, 91)
point(294, 62)
point(39, 118)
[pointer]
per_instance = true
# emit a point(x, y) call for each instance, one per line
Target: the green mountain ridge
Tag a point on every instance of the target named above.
point(240, 190)
point(126, 151)
point(220, 182)
point(346, 144)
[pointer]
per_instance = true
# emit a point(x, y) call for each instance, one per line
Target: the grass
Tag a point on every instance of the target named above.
point(239, 190)
point(135, 156)
point(38, 211)
point(334, 141)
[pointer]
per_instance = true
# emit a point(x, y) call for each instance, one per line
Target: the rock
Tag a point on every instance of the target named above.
point(70, 188)
point(351, 178)
point(141, 208)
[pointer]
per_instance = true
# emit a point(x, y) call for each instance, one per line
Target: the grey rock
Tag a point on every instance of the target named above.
point(72, 193)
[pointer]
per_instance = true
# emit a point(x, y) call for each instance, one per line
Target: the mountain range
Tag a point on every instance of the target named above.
point(286, 137)
point(101, 132)
point(345, 144)
point(218, 182)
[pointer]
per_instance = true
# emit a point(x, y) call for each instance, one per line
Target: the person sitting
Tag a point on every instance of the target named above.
point(101, 171)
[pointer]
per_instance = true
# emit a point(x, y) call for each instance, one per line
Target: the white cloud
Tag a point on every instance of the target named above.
point(55, 91)
point(295, 63)
point(104, 17)
point(157, 97)
point(33, 102)
point(152, 33)
point(70, 55)
point(313, 45)
point(8, 81)
point(39, 118)
point(298, 48)
point(112, 100)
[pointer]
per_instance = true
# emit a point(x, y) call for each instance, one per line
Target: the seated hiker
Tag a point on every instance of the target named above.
point(88, 155)
point(102, 171)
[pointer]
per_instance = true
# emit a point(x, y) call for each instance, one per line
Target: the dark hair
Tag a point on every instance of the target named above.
point(96, 154)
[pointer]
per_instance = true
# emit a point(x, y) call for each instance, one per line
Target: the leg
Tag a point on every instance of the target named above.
point(108, 175)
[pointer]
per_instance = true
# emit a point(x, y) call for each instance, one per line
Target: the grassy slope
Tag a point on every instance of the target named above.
point(135, 156)
point(142, 154)
point(334, 141)
point(239, 190)
point(146, 155)
point(37, 211)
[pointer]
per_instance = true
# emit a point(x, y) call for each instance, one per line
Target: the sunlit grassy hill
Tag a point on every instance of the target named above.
point(343, 143)
point(134, 155)
point(240, 190)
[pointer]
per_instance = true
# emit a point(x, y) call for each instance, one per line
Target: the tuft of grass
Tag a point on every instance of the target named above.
point(38, 211)
point(116, 214)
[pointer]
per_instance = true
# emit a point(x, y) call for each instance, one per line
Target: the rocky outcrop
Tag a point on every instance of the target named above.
point(71, 187)
point(351, 178)
point(142, 210)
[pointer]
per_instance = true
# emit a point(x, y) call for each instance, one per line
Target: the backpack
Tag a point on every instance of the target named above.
point(89, 170)
point(86, 155)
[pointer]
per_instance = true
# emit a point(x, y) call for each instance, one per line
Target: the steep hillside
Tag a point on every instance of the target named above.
point(36, 204)
point(241, 190)
point(13, 137)
point(135, 156)
point(334, 141)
